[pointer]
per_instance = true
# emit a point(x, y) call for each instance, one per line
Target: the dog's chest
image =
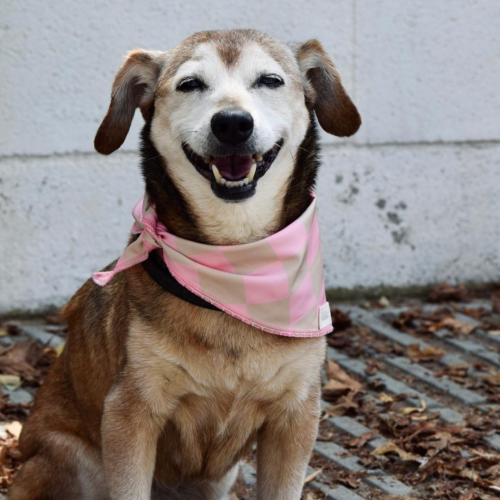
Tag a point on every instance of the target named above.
point(219, 380)
point(214, 355)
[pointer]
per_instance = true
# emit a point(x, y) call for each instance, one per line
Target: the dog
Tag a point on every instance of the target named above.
point(155, 396)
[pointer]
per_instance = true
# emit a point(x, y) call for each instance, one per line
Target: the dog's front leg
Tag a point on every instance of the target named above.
point(284, 447)
point(130, 431)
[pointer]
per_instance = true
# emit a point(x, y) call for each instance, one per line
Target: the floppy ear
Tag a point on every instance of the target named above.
point(134, 87)
point(334, 109)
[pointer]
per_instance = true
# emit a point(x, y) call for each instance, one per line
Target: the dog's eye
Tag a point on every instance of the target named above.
point(190, 85)
point(271, 81)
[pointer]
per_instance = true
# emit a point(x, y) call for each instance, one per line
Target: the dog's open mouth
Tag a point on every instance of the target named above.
point(233, 177)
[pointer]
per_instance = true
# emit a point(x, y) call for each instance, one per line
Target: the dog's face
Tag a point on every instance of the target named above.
point(230, 118)
point(229, 111)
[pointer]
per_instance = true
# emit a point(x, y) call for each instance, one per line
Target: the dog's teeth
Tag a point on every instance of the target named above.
point(217, 175)
point(230, 184)
point(258, 158)
point(233, 184)
point(251, 174)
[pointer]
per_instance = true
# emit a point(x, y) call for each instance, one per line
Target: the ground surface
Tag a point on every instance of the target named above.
point(411, 399)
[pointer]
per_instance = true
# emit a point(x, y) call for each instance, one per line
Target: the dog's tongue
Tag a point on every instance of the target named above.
point(234, 167)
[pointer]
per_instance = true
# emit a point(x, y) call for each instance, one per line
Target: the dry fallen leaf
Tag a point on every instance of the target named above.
point(28, 360)
point(386, 398)
point(339, 383)
point(392, 447)
point(458, 372)
point(372, 367)
point(439, 442)
point(384, 301)
point(14, 428)
point(470, 474)
point(313, 476)
point(360, 441)
point(494, 470)
point(340, 320)
point(12, 382)
point(445, 292)
point(492, 457)
point(467, 496)
point(493, 378)
point(19, 359)
point(343, 405)
point(416, 354)
point(414, 409)
point(55, 320)
point(458, 327)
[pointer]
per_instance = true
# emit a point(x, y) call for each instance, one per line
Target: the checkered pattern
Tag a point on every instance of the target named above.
point(275, 284)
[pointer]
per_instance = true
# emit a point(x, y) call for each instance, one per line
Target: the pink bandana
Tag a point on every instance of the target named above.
point(276, 284)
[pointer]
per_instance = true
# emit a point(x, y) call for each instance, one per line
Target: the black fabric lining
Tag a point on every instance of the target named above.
point(160, 273)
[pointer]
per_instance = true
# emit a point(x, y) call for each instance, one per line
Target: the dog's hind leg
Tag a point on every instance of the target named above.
point(41, 478)
point(65, 468)
point(34, 481)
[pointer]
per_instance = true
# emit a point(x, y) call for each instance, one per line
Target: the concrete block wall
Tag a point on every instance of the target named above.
point(412, 199)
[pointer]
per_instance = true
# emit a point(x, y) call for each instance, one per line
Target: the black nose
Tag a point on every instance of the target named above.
point(232, 126)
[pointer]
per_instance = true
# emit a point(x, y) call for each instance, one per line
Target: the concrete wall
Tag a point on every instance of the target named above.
point(413, 199)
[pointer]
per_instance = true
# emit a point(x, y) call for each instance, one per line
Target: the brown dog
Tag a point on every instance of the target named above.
point(154, 397)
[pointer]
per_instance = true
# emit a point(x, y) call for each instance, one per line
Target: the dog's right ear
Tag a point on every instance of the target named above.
point(134, 86)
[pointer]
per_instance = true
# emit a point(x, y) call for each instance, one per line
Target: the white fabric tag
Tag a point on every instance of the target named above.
point(325, 316)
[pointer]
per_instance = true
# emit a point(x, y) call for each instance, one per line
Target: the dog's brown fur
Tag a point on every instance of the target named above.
point(148, 382)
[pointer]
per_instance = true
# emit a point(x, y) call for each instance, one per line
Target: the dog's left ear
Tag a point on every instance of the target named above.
point(334, 109)
point(134, 86)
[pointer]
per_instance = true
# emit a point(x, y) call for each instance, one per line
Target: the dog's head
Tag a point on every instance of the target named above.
point(228, 111)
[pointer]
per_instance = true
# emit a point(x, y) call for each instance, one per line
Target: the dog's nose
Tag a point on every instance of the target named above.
point(232, 126)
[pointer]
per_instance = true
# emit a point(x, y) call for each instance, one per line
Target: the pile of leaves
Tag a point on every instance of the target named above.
point(26, 362)
point(10, 459)
point(443, 461)
point(22, 365)
point(419, 322)
point(440, 461)
point(423, 450)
